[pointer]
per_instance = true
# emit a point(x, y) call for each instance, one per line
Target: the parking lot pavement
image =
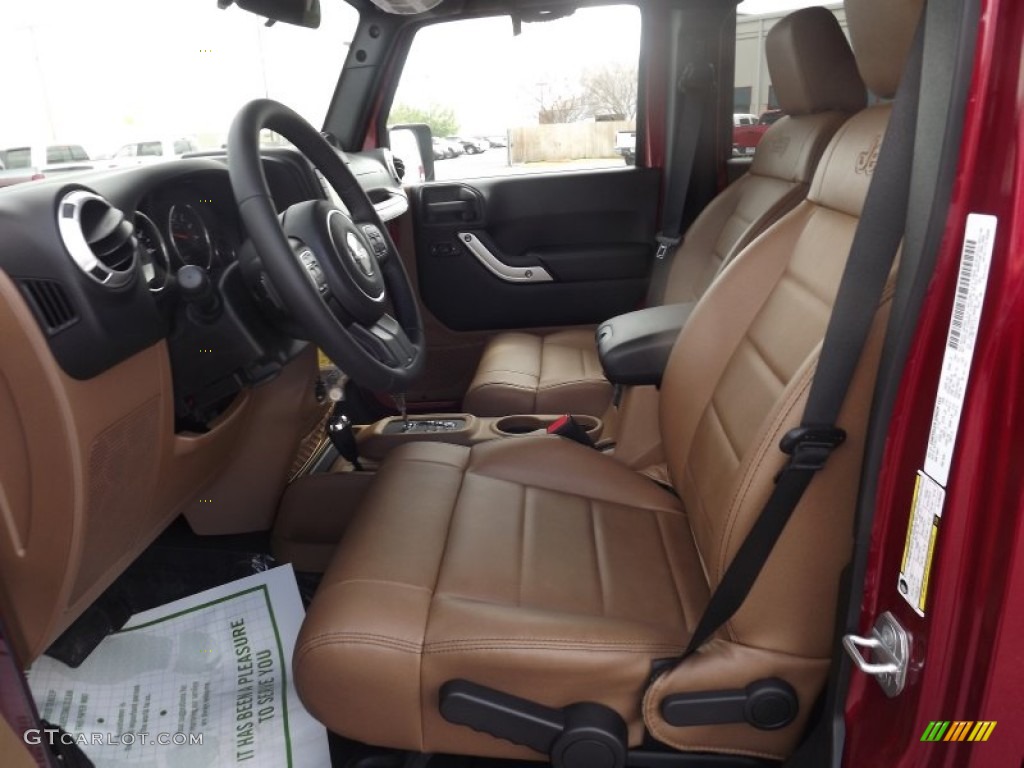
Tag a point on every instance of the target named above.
point(494, 162)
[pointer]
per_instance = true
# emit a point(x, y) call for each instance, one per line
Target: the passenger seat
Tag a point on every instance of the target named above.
point(817, 84)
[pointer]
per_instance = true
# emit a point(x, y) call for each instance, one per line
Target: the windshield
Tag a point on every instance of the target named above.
point(130, 77)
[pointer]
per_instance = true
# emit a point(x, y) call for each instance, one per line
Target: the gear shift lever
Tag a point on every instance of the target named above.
point(400, 404)
point(339, 431)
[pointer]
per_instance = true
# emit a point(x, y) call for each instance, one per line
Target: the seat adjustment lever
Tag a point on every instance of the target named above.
point(582, 735)
point(766, 704)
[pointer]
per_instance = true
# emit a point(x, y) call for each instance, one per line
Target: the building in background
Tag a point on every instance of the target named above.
point(753, 91)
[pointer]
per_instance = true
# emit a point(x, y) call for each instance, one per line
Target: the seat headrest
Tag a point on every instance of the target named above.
point(812, 66)
point(881, 32)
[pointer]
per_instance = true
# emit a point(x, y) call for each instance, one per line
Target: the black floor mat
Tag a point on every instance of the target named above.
point(179, 563)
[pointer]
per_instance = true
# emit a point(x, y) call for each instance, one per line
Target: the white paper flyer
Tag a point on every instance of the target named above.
point(203, 681)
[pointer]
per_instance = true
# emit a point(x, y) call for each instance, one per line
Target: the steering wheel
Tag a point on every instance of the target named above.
point(337, 272)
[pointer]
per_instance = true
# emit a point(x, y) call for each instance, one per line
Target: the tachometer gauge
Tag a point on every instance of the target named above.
point(153, 256)
point(190, 238)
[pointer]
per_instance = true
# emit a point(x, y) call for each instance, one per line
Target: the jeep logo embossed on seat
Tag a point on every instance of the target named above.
point(867, 160)
point(778, 145)
point(357, 251)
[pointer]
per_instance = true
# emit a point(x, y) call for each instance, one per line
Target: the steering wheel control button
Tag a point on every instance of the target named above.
point(316, 274)
point(376, 240)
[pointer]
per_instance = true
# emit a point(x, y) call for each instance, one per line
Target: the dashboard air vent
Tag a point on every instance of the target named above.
point(52, 305)
point(399, 164)
point(99, 237)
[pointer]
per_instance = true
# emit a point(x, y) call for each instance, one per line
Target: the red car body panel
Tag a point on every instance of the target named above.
point(748, 136)
point(967, 658)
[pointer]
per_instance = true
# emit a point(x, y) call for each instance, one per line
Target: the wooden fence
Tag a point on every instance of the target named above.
point(564, 141)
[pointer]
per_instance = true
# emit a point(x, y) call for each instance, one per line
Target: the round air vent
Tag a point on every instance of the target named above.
point(99, 237)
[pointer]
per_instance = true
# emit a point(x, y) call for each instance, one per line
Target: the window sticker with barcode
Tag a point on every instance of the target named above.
point(975, 259)
point(930, 488)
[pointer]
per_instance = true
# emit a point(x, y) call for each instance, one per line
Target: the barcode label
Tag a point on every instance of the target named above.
point(963, 286)
point(968, 302)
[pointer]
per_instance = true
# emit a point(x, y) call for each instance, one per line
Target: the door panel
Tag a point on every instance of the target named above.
point(536, 250)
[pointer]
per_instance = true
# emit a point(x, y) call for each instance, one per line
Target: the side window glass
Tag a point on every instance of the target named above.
point(150, 149)
point(57, 153)
point(19, 157)
point(560, 96)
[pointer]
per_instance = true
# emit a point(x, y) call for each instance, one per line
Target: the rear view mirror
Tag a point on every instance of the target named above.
point(302, 13)
point(412, 143)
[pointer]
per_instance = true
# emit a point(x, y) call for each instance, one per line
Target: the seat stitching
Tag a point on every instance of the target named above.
point(671, 570)
point(702, 508)
point(548, 646)
point(388, 582)
point(522, 545)
point(624, 505)
point(764, 359)
point(356, 638)
point(799, 282)
point(602, 382)
point(713, 409)
point(508, 384)
point(433, 595)
point(592, 512)
point(435, 462)
point(494, 643)
point(510, 370)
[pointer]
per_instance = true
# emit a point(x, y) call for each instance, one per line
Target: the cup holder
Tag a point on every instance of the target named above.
point(525, 425)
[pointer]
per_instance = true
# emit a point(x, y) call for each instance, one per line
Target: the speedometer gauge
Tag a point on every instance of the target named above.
point(189, 236)
point(153, 257)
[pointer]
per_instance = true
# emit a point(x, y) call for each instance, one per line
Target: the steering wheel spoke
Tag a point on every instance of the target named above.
point(387, 341)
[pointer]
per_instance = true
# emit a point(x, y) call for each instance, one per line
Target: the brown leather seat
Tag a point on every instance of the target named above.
point(554, 573)
point(816, 79)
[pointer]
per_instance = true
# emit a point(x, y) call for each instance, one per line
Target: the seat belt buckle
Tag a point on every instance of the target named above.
point(810, 447)
point(566, 426)
point(665, 244)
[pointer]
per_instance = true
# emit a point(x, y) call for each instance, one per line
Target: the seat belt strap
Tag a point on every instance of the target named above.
point(694, 86)
point(872, 253)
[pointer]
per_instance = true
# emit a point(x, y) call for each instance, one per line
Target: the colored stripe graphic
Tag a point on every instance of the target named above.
point(958, 730)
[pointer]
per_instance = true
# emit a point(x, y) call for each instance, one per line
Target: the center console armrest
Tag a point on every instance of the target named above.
point(634, 347)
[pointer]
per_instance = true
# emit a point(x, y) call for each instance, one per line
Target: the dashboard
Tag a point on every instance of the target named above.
point(146, 372)
point(174, 215)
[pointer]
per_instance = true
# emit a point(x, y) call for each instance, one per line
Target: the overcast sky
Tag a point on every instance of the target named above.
point(108, 72)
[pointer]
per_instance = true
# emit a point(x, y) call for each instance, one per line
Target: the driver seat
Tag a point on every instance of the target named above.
point(552, 572)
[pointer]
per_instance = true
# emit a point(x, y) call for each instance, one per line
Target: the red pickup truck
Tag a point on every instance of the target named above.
point(746, 135)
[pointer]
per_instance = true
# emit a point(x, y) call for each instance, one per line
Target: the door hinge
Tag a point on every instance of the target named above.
point(889, 653)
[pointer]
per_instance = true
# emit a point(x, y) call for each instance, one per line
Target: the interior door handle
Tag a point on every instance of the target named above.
point(499, 268)
point(464, 208)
